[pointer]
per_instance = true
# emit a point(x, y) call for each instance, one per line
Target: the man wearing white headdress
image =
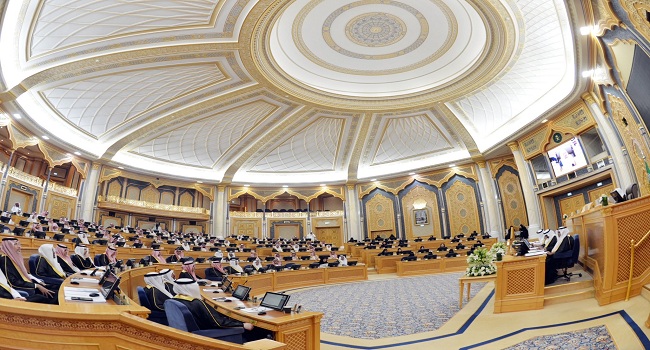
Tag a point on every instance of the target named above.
point(561, 243)
point(257, 265)
point(83, 237)
point(81, 258)
point(343, 261)
point(48, 265)
point(206, 317)
point(13, 266)
point(157, 290)
point(64, 260)
point(235, 267)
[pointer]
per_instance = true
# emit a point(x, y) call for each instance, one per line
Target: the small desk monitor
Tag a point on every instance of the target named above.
point(226, 284)
point(39, 234)
point(23, 223)
point(241, 292)
point(5, 219)
point(58, 237)
point(275, 301)
point(110, 285)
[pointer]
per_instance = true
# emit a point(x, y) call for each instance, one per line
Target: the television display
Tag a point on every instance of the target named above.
point(567, 157)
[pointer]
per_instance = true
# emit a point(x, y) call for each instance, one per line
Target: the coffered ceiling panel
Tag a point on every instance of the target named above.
point(63, 23)
point(406, 137)
point(203, 141)
point(99, 104)
point(277, 91)
point(311, 149)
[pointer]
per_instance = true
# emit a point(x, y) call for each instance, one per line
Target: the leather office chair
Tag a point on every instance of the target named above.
point(155, 315)
point(566, 260)
point(180, 317)
point(33, 260)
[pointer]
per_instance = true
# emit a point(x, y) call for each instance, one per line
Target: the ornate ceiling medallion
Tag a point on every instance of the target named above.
point(380, 54)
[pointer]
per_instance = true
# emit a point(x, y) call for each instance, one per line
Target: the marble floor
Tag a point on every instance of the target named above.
point(475, 326)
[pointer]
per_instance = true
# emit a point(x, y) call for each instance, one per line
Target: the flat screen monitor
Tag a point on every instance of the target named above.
point(275, 301)
point(110, 285)
point(39, 234)
point(226, 285)
point(241, 292)
point(567, 157)
point(58, 237)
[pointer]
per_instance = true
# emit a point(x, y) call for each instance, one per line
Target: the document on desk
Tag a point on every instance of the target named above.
point(83, 294)
point(211, 290)
point(256, 309)
point(535, 253)
point(85, 280)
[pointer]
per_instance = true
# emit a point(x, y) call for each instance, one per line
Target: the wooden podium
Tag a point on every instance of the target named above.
point(520, 284)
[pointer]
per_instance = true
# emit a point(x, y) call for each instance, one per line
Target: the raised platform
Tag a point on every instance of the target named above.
point(563, 291)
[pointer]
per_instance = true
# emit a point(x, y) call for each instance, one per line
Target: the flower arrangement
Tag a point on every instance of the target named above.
point(481, 263)
point(498, 248)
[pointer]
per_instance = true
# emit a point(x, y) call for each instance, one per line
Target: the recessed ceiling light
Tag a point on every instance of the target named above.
point(55, 174)
point(544, 121)
point(17, 116)
point(120, 167)
point(322, 185)
point(586, 30)
point(77, 153)
point(452, 165)
point(411, 173)
point(569, 194)
point(27, 152)
point(587, 73)
point(373, 179)
point(285, 186)
point(246, 185)
point(45, 137)
point(199, 181)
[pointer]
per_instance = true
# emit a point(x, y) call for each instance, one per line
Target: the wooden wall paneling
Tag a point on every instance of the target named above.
point(380, 216)
point(462, 208)
point(424, 199)
point(512, 198)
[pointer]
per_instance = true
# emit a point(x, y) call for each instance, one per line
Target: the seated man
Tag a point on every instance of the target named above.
point(430, 255)
point(451, 254)
point(234, 267)
point(432, 238)
point(81, 259)
point(157, 289)
point(48, 265)
point(216, 270)
point(561, 243)
point(343, 260)
point(460, 246)
point(6, 292)
point(442, 247)
point(64, 260)
point(258, 267)
point(189, 269)
point(156, 255)
point(206, 317)
point(16, 209)
point(109, 256)
point(179, 253)
point(13, 267)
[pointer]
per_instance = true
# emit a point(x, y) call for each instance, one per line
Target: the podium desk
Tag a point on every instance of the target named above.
point(520, 283)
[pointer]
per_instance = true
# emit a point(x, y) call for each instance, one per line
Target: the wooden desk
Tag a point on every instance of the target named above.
point(520, 283)
point(469, 280)
point(439, 265)
point(131, 307)
point(298, 331)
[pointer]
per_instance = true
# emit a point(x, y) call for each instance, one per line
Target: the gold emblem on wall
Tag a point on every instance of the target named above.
point(570, 205)
point(462, 208)
point(380, 215)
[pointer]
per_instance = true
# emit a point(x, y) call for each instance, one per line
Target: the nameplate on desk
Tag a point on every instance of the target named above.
point(535, 253)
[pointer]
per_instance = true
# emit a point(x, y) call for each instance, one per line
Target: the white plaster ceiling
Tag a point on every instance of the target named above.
point(271, 91)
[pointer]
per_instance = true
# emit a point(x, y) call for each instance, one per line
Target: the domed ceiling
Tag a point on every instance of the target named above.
point(279, 91)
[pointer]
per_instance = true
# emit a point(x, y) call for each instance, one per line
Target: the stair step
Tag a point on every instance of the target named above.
point(645, 291)
point(568, 287)
point(568, 297)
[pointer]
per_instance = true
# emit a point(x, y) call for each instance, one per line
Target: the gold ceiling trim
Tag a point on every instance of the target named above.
point(236, 192)
point(501, 46)
point(109, 173)
point(497, 164)
point(19, 137)
point(54, 157)
point(636, 11)
point(437, 179)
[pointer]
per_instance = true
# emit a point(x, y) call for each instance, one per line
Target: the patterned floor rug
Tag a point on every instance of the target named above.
point(585, 339)
point(382, 309)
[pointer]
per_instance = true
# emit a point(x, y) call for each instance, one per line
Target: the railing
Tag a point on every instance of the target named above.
point(327, 214)
point(30, 179)
point(55, 187)
point(633, 247)
point(286, 214)
point(150, 205)
point(245, 214)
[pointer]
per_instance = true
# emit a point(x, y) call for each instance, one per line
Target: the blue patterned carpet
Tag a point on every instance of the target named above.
point(382, 309)
point(584, 339)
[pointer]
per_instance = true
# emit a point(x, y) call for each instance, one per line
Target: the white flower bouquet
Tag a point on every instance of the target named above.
point(481, 262)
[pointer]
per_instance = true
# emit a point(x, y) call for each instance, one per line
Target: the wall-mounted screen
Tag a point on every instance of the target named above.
point(567, 157)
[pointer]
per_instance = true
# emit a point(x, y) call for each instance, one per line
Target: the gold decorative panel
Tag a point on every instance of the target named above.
point(167, 198)
point(149, 194)
point(595, 194)
point(60, 207)
point(462, 208)
point(380, 215)
point(306, 194)
point(133, 192)
point(521, 281)
point(571, 204)
point(636, 148)
point(296, 340)
point(115, 189)
point(186, 199)
point(246, 227)
point(512, 199)
point(637, 12)
point(331, 235)
point(437, 179)
point(632, 227)
point(421, 198)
